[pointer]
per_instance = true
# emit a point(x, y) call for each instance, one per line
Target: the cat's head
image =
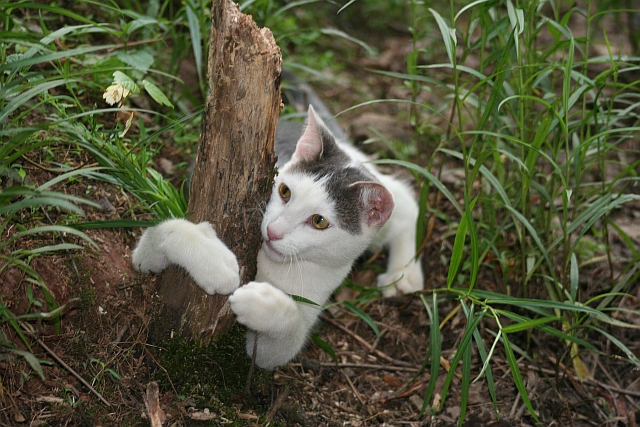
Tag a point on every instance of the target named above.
point(325, 206)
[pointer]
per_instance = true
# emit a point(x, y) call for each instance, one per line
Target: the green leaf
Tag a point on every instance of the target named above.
point(529, 324)
point(363, 316)
point(435, 348)
point(458, 244)
point(333, 32)
point(114, 223)
point(298, 298)
point(31, 360)
point(139, 59)
point(324, 346)
point(156, 93)
point(574, 276)
point(25, 96)
point(517, 378)
point(448, 35)
point(463, 347)
point(122, 79)
point(428, 175)
point(194, 31)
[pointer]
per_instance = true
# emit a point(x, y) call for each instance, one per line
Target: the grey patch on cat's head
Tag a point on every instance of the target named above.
point(339, 172)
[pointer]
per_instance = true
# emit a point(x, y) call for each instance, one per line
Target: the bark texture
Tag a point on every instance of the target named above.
point(234, 166)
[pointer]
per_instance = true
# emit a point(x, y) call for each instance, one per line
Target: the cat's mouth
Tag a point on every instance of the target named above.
point(272, 250)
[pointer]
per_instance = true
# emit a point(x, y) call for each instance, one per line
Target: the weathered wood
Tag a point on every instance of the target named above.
point(234, 165)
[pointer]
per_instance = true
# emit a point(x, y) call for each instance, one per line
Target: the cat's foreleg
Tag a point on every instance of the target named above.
point(279, 323)
point(404, 272)
point(195, 247)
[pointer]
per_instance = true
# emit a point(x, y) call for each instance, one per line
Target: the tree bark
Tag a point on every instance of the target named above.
point(234, 166)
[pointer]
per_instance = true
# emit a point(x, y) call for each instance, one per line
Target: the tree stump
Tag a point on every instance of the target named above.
point(234, 167)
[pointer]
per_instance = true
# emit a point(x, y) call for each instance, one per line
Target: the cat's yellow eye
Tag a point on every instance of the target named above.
point(285, 192)
point(319, 222)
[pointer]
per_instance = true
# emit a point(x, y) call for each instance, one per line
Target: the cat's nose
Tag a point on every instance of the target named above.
point(272, 235)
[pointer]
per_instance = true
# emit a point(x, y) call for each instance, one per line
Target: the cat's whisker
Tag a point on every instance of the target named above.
point(301, 277)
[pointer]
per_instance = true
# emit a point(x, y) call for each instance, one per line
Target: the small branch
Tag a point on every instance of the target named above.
point(363, 366)
point(68, 368)
point(152, 402)
point(353, 387)
point(368, 346)
point(277, 404)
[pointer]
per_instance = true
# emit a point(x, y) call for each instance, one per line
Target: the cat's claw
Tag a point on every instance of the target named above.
point(146, 257)
point(264, 308)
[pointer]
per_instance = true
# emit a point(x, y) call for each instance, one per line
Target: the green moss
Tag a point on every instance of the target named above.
point(88, 297)
point(214, 375)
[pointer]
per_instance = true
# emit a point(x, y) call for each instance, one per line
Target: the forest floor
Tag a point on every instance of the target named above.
point(378, 380)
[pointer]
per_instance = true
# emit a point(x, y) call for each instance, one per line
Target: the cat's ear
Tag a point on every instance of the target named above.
point(309, 145)
point(377, 202)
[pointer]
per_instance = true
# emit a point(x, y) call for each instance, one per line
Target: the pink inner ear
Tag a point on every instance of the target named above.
point(309, 145)
point(378, 203)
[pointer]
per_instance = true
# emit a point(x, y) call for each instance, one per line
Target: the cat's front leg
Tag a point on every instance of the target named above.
point(195, 247)
point(277, 325)
point(404, 272)
point(264, 308)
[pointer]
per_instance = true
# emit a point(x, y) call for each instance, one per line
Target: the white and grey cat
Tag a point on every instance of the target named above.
point(327, 207)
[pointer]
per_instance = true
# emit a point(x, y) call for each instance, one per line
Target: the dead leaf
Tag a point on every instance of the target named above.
point(392, 381)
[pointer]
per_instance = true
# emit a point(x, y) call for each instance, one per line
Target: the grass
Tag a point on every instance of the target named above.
point(539, 124)
point(47, 80)
point(531, 125)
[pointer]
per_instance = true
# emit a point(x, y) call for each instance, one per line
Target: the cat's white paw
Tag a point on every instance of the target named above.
point(205, 257)
point(195, 247)
point(146, 257)
point(264, 308)
point(405, 281)
point(215, 268)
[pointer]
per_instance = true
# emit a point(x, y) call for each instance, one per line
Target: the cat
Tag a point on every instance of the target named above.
point(328, 206)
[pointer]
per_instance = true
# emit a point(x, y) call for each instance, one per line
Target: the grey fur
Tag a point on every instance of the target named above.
point(299, 96)
point(340, 173)
point(333, 164)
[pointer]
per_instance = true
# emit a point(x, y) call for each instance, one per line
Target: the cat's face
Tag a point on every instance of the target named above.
point(301, 223)
point(324, 207)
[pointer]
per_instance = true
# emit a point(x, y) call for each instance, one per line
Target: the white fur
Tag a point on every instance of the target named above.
point(195, 247)
point(300, 260)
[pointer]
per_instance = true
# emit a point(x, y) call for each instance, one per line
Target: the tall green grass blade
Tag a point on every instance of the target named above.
point(631, 357)
point(363, 316)
point(529, 324)
point(466, 368)
point(458, 244)
point(56, 229)
point(24, 97)
point(54, 56)
point(196, 38)
point(429, 177)
point(322, 344)
point(31, 360)
point(517, 378)
point(484, 357)
point(435, 348)
point(448, 35)
point(574, 277)
point(463, 347)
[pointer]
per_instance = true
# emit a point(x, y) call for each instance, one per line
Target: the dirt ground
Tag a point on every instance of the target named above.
point(100, 369)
